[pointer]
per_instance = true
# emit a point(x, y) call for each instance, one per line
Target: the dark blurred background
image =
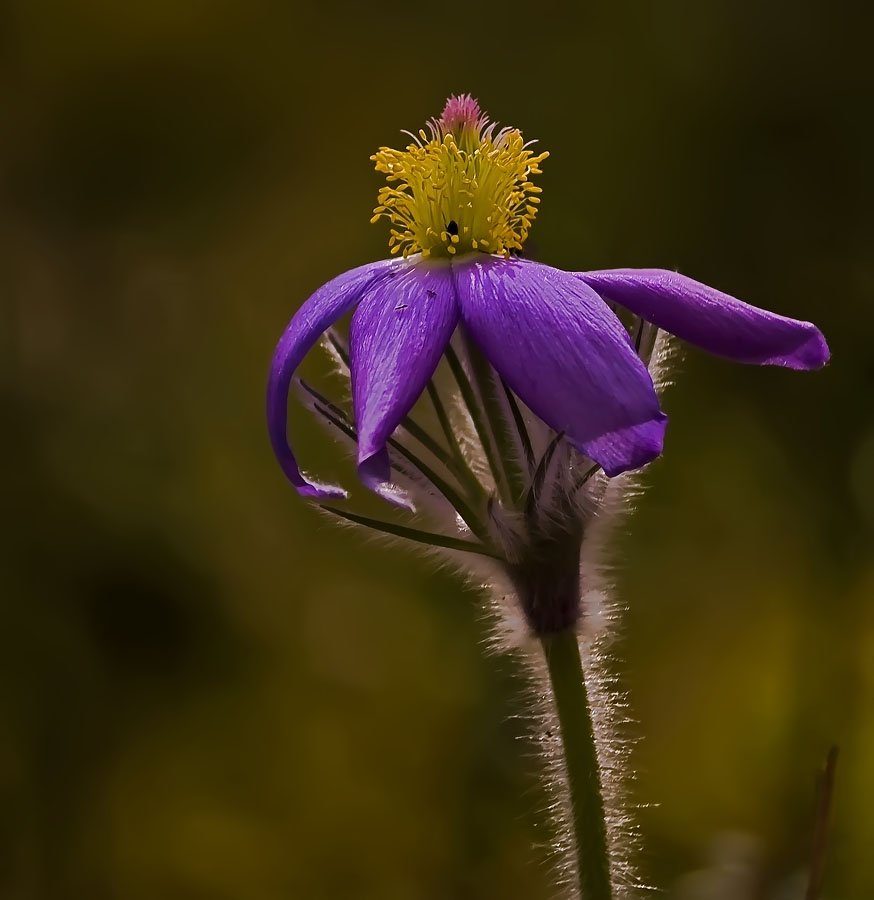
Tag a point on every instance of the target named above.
point(208, 692)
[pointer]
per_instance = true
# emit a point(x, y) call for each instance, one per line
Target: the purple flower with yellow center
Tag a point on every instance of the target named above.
point(460, 202)
point(555, 395)
point(554, 370)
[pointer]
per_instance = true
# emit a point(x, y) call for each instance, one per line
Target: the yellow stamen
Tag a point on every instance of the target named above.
point(460, 189)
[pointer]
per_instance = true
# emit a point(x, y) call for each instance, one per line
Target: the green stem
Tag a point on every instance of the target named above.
point(414, 534)
point(477, 414)
point(507, 454)
point(580, 754)
point(464, 471)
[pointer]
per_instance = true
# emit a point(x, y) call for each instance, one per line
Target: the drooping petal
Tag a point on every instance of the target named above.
point(319, 312)
point(398, 334)
point(561, 349)
point(714, 321)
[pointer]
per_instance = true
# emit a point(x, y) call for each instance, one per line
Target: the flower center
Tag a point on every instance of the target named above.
point(459, 187)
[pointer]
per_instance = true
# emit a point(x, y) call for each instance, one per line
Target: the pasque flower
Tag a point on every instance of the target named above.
point(460, 202)
point(556, 377)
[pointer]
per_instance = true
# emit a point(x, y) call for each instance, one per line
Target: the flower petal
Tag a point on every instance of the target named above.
point(398, 334)
point(561, 349)
point(710, 319)
point(320, 311)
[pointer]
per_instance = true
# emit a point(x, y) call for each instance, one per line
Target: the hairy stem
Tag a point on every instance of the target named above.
point(580, 755)
point(513, 482)
point(477, 415)
point(461, 465)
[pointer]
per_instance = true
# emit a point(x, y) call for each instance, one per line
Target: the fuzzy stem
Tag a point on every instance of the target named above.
point(461, 466)
point(514, 479)
point(477, 415)
point(580, 754)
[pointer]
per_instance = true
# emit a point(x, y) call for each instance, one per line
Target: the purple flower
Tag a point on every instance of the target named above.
point(555, 396)
point(461, 203)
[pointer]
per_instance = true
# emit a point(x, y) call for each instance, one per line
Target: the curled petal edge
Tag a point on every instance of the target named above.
point(316, 315)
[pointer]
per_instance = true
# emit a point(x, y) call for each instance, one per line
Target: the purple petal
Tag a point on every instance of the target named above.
point(561, 349)
point(710, 319)
point(398, 334)
point(318, 313)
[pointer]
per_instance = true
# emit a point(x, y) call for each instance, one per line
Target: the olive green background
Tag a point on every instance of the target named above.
point(206, 691)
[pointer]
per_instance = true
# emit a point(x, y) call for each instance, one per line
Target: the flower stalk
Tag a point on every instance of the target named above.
point(582, 769)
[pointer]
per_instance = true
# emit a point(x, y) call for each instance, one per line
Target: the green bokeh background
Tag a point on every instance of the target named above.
point(206, 692)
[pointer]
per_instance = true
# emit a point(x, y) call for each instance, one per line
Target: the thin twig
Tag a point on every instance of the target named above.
point(825, 787)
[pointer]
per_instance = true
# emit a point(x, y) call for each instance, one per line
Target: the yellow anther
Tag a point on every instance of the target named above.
point(465, 187)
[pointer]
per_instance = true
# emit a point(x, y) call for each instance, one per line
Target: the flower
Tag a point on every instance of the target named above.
point(460, 202)
point(557, 390)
